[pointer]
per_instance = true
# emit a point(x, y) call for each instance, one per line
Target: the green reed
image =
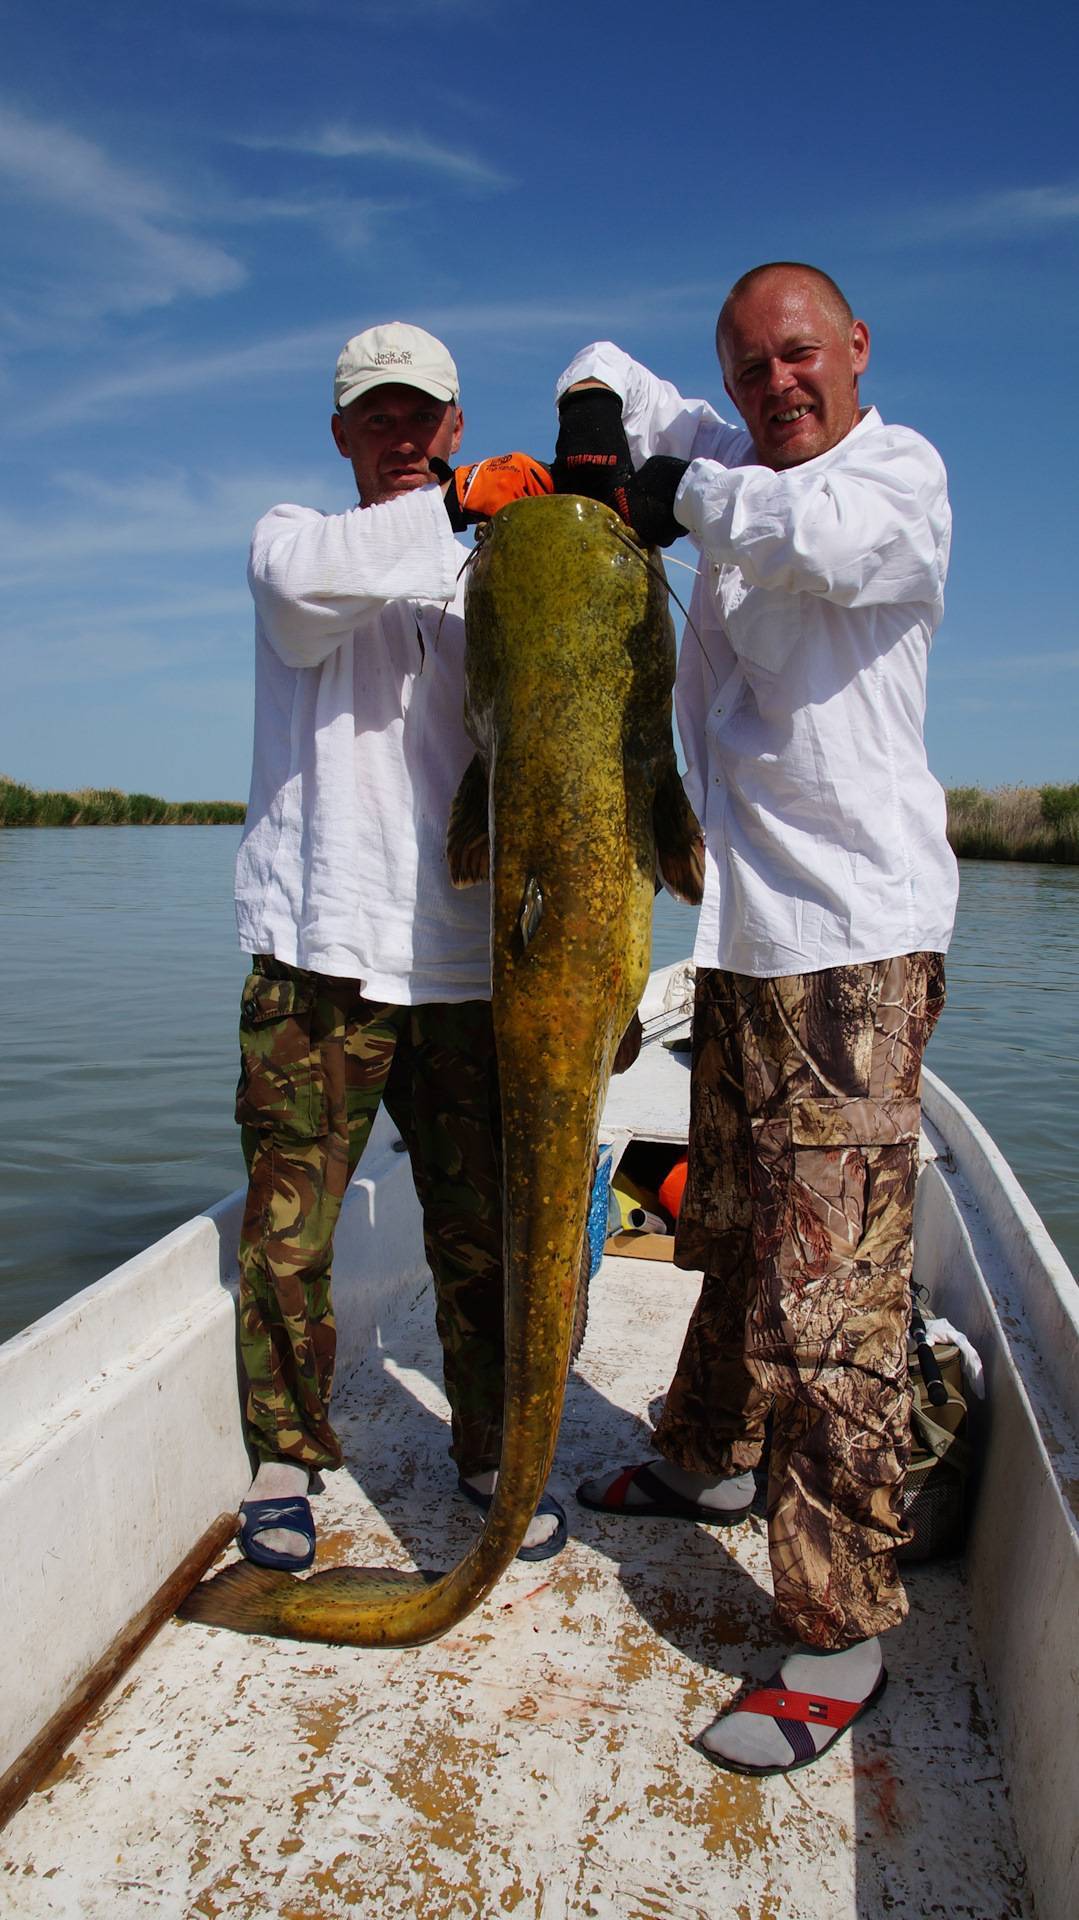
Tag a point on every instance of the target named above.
point(22, 806)
point(1015, 823)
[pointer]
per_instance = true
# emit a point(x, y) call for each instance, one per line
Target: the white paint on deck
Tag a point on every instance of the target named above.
point(536, 1761)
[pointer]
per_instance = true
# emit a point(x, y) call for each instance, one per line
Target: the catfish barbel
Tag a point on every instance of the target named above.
point(570, 801)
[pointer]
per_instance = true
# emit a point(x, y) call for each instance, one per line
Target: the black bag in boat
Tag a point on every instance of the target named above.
point(935, 1491)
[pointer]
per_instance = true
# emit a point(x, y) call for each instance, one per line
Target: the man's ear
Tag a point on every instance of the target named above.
point(859, 347)
point(457, 431)
point(337, 428)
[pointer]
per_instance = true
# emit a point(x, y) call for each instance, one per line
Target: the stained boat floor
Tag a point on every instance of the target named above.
point(537, 1760)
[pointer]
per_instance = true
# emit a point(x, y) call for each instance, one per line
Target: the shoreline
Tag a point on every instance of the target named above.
point(22, 806)
point(1015, 823)
point(1004, 823)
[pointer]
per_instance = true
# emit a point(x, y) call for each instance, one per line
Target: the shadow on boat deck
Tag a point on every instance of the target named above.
point(538, 1758)
point(913, 1802)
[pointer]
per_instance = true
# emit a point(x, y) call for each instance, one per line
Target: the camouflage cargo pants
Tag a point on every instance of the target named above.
point(317, 1060)
point(805, 1111)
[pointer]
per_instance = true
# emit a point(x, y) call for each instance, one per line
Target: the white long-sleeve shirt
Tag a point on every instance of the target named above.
point(801, 695)
point(359, 749)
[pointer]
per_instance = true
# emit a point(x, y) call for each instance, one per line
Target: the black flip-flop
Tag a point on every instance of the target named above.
point(663, 1502)
point(263, 1516)
point(548, 1504)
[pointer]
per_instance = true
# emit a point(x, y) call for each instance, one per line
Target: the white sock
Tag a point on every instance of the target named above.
point(755, 1740)
point(725, 1493)
point(540, 1528)
point(280, 1480)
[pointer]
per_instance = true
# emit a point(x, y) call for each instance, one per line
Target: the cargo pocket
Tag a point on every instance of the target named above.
point(834, 1182)
point(280, 1085)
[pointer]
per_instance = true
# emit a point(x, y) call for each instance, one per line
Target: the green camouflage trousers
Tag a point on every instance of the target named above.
point(805, 1112)
point(317, 1059)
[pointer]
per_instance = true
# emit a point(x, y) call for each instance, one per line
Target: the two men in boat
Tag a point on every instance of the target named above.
point(370, 978)
point(829, 901)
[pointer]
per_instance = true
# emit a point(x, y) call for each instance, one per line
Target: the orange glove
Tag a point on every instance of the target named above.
point(476, 492)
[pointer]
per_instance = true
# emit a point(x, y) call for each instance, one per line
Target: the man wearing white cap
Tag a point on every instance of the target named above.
point(370, 975)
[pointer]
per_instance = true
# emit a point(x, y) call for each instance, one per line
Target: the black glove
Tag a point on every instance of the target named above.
point(646, 500)
point(591, 454)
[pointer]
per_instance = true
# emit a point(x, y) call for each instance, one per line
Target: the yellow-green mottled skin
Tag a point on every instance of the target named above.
point(570, 660)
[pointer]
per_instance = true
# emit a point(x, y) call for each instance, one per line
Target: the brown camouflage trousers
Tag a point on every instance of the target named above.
point(805, 1111)
point(317, 1060)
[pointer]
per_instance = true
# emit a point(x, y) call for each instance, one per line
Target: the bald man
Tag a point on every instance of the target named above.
point(829, 901)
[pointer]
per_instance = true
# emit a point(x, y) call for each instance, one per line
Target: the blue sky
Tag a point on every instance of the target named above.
point(200, 203)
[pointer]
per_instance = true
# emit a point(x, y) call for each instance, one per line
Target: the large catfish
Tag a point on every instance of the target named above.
point(572, 797)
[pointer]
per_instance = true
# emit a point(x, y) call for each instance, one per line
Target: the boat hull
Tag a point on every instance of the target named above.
point(121, 1443)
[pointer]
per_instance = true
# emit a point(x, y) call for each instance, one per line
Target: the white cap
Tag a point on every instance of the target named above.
point(394, 353)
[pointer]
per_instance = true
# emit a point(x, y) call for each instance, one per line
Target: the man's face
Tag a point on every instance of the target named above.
point(791, 362)
point(389, 434)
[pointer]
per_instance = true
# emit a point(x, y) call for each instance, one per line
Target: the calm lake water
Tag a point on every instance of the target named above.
point(120, 1055)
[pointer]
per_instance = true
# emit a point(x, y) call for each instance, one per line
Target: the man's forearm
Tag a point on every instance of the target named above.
point(315, 576)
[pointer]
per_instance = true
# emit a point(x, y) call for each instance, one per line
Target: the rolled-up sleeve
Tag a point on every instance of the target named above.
point(655, 415)
point(316, 577)
point(868, 526)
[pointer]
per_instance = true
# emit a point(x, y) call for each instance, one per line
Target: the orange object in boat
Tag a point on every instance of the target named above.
point(672, 1188)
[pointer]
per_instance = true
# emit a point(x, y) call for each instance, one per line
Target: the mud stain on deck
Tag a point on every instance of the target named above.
point(728, 1814)
point(320, 1723)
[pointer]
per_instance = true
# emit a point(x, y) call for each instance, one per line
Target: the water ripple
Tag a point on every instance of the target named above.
point(123, 977)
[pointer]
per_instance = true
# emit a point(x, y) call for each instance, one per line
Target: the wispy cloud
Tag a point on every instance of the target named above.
point(370, 143)
point(281, 355)
point(170, 513)
point(1011, 214)
point(300, 350)
point(89, 629)
point(346, 222)
point(170, 638)
point(128, 250)
point(1003, 668)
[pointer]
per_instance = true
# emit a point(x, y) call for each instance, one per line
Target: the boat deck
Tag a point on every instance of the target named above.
point(537, 1760)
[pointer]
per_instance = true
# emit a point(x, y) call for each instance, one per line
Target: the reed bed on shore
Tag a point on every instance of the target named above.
point(22, 806)
point(1009, 823)
point(1015, 823)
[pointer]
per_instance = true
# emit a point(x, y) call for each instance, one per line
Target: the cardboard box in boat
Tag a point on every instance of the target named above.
point(640, 1245)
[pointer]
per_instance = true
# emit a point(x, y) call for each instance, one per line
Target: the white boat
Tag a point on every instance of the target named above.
point(537, 1760)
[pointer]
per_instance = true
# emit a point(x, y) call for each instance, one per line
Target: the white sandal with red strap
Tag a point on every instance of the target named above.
point(794, 1714)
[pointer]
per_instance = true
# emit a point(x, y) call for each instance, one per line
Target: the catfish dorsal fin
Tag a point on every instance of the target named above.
point(468, 848)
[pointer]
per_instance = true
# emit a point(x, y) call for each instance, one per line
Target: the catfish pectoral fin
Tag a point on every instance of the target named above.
point(679, 841)
point(468, 847)
point(629, 1046)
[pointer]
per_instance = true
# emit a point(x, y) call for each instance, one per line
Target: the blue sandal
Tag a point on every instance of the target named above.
point(261, 1516)
point(548, 1504)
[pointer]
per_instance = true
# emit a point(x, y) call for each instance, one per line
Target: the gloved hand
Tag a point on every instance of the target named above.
point(591, 454)
point(476, 492)
point(646, 501)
